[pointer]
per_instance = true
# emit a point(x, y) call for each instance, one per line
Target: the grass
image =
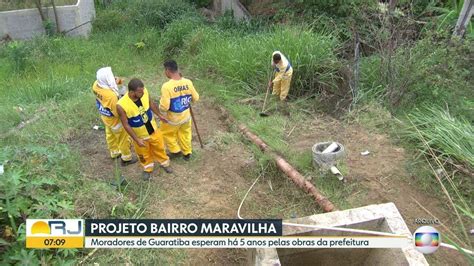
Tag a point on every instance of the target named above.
point(245, 60)
point(431, 130)
point(222, 140)
point(451, 137)
point(45, 77)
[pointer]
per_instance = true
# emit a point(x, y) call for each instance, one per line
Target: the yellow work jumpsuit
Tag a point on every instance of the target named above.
point(283, 75)
point(176, 97)
point(117, 139)
point(141, 120)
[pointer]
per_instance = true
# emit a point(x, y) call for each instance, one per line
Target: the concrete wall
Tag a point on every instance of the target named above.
point(27, 24)
point(239, 11)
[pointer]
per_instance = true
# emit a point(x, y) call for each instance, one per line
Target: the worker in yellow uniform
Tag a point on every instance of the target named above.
point(136, 113)
point(283, 74)
point(107, 94)
point(176, 97)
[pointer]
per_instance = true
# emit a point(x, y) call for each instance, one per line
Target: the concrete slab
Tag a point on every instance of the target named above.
point(381, 217)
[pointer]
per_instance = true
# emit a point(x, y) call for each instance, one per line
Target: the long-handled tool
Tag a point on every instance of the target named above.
point(196, 126)
point(262, 113)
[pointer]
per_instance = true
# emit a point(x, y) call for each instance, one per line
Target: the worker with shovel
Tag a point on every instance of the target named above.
point(175, 104)
point(107, 94)
point(136, 113)
point(282, 80)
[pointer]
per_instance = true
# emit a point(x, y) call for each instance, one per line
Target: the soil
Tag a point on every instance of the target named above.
point(382, 174)
point(211, 184)
point(205, 187)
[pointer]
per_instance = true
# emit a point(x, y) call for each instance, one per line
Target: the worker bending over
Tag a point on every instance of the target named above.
point(176, 97)
point(136, 113)
point(283, 73)
point(107, 95)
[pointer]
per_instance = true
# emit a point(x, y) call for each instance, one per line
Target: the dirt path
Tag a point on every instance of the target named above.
point(205, 187)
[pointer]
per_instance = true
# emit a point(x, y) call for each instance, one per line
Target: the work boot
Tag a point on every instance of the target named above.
point(187, 157)
point(167, 169)
point(146, 176)
point(125, 163)
point(174, 155)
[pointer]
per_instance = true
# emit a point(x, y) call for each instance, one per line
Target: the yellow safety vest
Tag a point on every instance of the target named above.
point(176, 96)
point(138, 116)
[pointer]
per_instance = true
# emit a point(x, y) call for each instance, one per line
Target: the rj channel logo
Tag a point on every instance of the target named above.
point(427, 239)
point(54, 233)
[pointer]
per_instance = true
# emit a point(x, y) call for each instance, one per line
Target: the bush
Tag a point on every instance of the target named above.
point(173, 38)
point(141, 13)
point(19, 54)
point(158, 13)
point(333, 8)
point(228, 23)
point(246, 59)
point(110, 20)
point(24, 56)
point(427, 73)
point(31, 189)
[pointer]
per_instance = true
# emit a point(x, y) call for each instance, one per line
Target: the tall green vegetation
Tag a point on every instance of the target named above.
point(451, 137)
point(142, 13)
point(174, 36)
point(246, 59)
point(427, 73)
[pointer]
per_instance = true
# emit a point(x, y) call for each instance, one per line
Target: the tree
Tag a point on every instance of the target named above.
point(44, 19)
point(464, 18)
point(58, 30)
point(40, 9)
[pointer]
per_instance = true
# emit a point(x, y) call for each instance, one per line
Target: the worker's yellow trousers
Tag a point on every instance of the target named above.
point(178, 138)
point(154, 150)
point(281, 86)
point(118, 142)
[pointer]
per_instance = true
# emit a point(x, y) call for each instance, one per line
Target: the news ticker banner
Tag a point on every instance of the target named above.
point(182, 233)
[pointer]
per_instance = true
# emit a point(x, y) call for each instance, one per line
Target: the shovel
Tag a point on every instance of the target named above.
point(262, 113)
point(196, 126)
